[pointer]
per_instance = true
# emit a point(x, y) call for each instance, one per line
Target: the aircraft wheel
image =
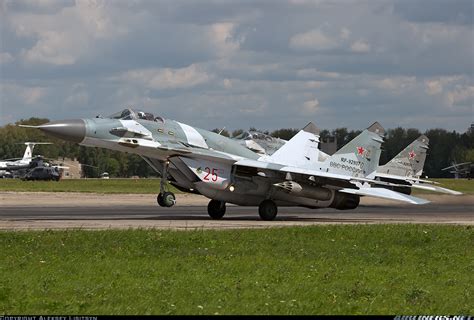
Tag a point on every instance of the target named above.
point(267, 210)
point(159, 199)
point(216, 209)
point(166, 199)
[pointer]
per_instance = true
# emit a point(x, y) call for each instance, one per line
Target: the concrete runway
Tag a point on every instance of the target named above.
point(133, 214)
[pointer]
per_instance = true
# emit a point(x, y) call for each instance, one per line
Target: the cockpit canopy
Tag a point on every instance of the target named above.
point(254, 135)
point(130, 114)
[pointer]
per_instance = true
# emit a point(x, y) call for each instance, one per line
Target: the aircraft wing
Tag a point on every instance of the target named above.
point(409, 179)
point(336, 179)
point(420, 184)
point(384, 194)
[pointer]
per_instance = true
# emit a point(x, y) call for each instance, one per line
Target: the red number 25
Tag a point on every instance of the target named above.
point(212, 173)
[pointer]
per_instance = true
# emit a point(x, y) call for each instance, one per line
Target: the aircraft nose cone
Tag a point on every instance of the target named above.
point(70, 130)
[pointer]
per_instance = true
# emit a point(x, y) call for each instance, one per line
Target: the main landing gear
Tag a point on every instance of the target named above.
point(267, 210)
point(165, 198)
point(216, 209)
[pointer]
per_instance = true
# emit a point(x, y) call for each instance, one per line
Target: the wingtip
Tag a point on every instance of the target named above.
point(312, 128)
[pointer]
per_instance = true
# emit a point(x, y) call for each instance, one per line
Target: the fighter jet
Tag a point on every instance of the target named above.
point(25, 161)
point(259, 142)
point(402, 173)
point(406, 168)
point(200, 161)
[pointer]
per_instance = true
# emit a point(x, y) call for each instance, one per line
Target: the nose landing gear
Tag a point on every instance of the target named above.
point(165, 198)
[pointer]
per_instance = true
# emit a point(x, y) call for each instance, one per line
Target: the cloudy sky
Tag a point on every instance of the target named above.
point(266, 64)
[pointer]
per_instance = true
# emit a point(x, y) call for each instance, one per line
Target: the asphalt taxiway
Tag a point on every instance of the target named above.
point(23, 211)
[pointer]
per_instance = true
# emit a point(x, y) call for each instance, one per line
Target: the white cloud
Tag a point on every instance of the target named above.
point(360, 46)
point(54, 48)
point(167, 78)
point(311, 106)
point(313, 40)
point(345, 33)
point(315, 84)
point(259, 63)
point(398, 83)
point(32, 95)
point(315, 73)
point(79, 97)
point(227, 83)
point(460, 95)
point(27, 95)
point(68, 34)
point(433, 87)
point(221, 36)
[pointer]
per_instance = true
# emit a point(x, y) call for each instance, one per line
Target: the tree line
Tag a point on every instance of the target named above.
point(445, 147)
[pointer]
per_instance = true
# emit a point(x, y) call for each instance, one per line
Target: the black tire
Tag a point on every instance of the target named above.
point(216, 209)
point(159, 199)
point(169, 199)
point(166, 199)
point(267, 210)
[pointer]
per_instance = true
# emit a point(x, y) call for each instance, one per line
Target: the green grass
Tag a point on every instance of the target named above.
point(85, 185)
point(363, 269)
point(149, 185)
point(462, 185)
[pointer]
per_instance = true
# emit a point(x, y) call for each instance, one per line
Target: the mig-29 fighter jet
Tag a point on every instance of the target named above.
point(200, 161)
point(402, 173)
point(406, 168)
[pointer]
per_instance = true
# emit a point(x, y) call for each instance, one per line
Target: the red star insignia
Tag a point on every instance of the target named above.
point(412, 155)
point(360, 150)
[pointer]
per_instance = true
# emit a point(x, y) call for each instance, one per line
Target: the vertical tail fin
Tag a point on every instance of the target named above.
point(410, 161)
point(28, 151)
point(27, 156)
point(301, 150)
point(360, 157)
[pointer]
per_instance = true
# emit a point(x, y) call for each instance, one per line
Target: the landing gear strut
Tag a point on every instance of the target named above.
point(216, 209)
point(267, 210)
point(165, 198)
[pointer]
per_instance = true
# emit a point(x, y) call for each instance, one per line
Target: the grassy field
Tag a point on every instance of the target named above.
point(148, 185)
point(364, 269)
point(85, 185)
point(462, 185)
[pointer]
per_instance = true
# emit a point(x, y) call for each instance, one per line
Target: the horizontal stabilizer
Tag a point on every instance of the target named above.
point(385, 194)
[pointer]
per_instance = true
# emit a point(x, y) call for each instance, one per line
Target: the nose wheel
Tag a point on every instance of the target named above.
point(165, 198)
